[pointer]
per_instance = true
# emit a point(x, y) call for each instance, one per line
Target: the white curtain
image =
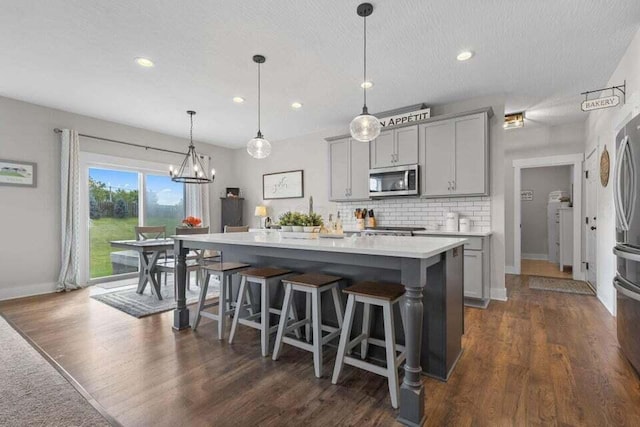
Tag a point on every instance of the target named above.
point(70, 193)
point(197, 202)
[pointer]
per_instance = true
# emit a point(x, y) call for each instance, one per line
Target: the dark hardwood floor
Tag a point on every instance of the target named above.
point(542, 358)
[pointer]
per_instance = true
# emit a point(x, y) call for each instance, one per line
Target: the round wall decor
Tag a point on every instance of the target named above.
point(604, 167)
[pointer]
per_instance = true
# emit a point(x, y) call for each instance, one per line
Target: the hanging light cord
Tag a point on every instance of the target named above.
point(364, 84)
point(191, 130)
point(259, 131)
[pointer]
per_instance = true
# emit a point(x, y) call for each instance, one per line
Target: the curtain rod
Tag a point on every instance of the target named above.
point(57, 130)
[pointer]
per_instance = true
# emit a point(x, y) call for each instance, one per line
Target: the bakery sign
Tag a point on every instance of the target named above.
point(599, 103)
point(400, 119)
point(604, 101)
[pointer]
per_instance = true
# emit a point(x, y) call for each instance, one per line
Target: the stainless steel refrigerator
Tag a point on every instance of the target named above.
point(626, 182)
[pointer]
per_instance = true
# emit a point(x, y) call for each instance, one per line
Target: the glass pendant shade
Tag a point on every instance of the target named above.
point(365, 128)
point(259, 148)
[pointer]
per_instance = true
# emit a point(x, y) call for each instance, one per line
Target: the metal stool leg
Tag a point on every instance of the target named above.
point(366, 329)
point(203, 297)
point(344, 338)
point(239, 302)
point(390, 346)
point(286, 306)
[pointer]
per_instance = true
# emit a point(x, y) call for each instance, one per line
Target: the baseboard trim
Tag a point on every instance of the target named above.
point(510, 269)
point(537, 257)
point(27, 291)
point(499, 294)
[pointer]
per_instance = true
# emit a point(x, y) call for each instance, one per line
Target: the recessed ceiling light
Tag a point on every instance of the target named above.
point(144, 62)
point(238, 99)
point(465, 55)
point(296, 105)
point(366, 85)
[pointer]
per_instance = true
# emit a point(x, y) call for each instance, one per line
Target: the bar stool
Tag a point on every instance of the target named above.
point(313, 285)
point(265, 277)
point(224, 271)
point(384, 295)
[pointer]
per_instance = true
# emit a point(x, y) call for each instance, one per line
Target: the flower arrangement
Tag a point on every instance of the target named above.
point(192, 221)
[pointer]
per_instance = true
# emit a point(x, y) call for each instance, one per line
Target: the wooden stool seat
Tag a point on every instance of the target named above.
point(313, 280)
point(379, 290)
point(384, 295)
point(225, 266)
point(313, 285)
point(264, 272)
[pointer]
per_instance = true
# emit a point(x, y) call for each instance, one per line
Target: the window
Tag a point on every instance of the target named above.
point(118, 199)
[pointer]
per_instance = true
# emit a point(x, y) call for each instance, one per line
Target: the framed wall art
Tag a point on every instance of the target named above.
point(283, 185)
point(18, 173)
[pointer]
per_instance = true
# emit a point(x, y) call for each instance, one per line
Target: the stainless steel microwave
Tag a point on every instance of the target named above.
point(393, 181)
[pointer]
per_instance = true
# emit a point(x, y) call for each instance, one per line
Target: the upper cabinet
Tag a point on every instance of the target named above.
point(395, 147)
point(348, 170)
point(455, 156)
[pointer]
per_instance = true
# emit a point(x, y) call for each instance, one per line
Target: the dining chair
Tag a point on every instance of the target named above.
point(144, 232)
point(238, 229)
point(194, 262)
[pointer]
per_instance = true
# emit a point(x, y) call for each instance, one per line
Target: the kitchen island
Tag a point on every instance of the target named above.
point(430, 268)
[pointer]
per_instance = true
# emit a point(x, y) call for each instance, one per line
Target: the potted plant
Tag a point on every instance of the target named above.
point(297, 222)
point(286, 221)
point(313, 222)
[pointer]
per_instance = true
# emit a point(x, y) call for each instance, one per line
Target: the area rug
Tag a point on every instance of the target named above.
point(34, 393)
point(560, 285)
point(136, 305)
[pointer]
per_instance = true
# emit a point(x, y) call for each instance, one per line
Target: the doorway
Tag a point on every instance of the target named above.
point(571, 225)
point(590, 221)
point(546, 199)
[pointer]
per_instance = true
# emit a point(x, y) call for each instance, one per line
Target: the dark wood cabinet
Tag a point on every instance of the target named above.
point(231, 211)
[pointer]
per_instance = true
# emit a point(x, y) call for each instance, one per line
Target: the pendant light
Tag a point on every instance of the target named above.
point(258, 147)
point(365, 127)
point(192, 170)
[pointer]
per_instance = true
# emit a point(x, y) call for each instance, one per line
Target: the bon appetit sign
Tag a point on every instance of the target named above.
point(412, 116)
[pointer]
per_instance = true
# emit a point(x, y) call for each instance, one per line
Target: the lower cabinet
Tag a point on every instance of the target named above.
point(472, 274)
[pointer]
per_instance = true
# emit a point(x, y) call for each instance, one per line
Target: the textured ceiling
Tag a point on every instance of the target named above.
point(77, 55)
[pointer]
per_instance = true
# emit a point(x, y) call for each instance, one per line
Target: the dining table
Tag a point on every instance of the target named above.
point(149, 252)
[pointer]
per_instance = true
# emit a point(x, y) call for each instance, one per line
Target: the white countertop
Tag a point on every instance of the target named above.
point(393, 246)
point(453, 233)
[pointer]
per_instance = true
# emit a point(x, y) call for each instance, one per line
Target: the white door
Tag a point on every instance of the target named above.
point(590, 224)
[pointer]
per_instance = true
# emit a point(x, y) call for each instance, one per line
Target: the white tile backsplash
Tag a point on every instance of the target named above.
point(421, 212)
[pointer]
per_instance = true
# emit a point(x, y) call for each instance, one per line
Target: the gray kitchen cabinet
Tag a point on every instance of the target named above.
point(395, 147)
point(455, 156)
point(472, 274)
point(436, 139)
point(383, 150)
point(348, 170)
point(231, 212)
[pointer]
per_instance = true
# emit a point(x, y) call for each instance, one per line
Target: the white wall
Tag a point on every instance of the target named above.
point(309, 153)
point(601, 130)
point(30, 217)
point(534, 212)
point(530, 142)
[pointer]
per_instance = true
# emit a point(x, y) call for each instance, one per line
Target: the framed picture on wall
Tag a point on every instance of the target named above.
point(283, 185)
point(18, 173)
point(526, 195)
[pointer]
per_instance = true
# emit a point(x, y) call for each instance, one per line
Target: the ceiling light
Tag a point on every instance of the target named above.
point(238, 99)
point(465, 55)
point(366, 85)
point(192, 170)
point(365, 127)
point(258, 147)
point(144, 62)
point(296, 105)
point(513, 121)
